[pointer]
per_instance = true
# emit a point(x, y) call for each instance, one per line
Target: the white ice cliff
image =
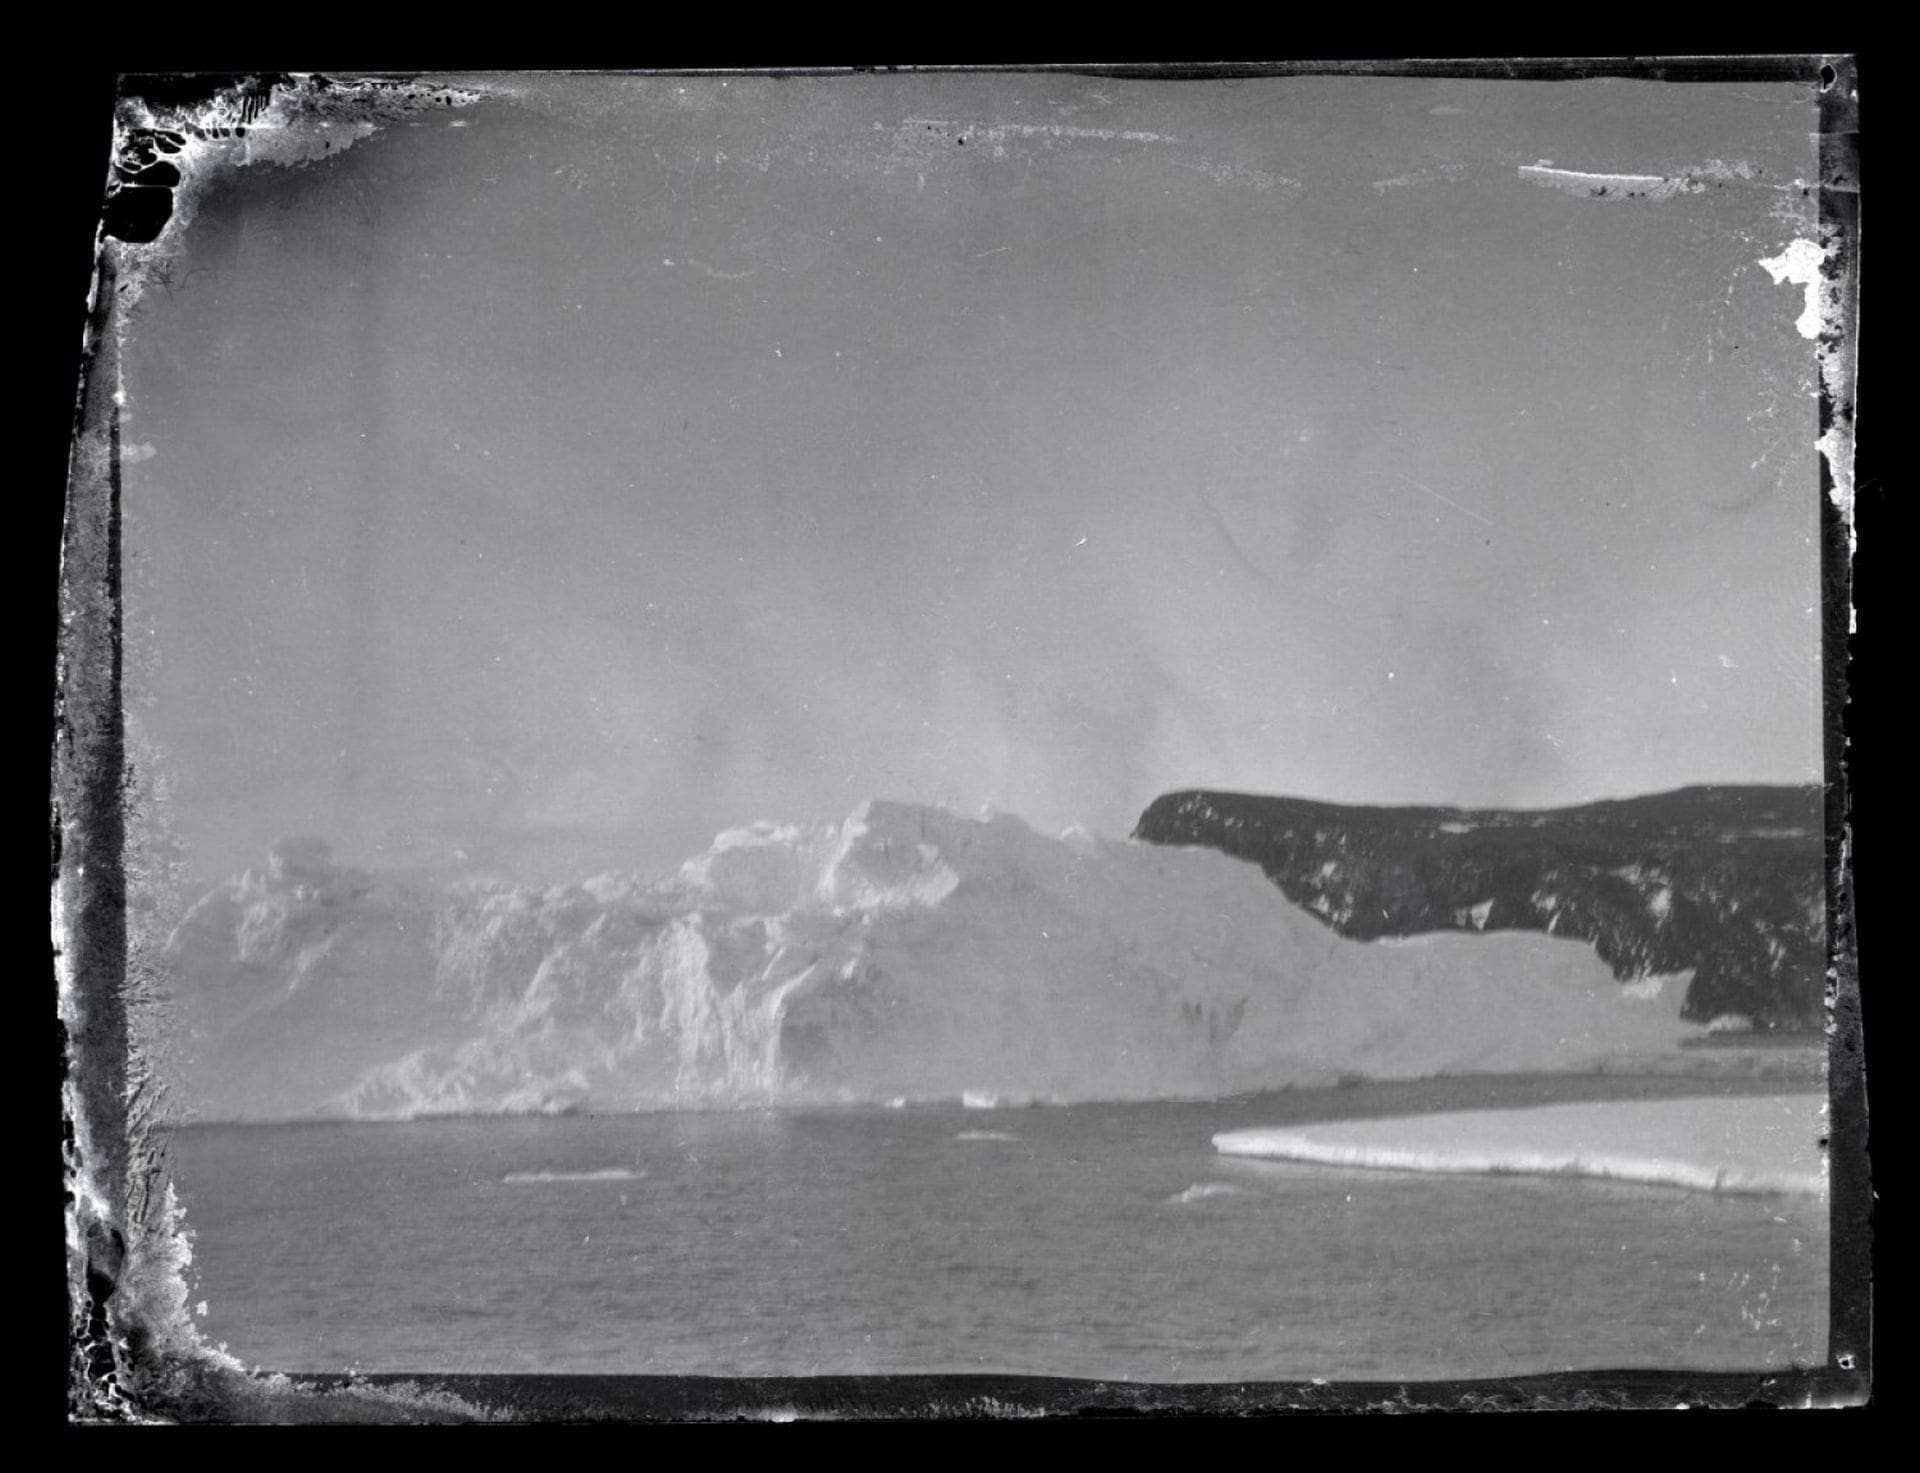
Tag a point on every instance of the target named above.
point(905, 953)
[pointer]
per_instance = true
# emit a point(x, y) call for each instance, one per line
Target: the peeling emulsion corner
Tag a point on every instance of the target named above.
point(176, 136)
point(135, 1352)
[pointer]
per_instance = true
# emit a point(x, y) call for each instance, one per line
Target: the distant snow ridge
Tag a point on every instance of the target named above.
point(907, 953)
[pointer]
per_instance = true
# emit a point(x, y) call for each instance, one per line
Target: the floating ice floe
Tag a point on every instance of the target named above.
point(1200, 1191)
point(1757, 1144)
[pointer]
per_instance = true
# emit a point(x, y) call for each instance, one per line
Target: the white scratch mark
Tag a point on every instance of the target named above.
point(1449, 172)
point(1238, 174)
point(1603, 185)
point(1422, 486)
point(719, 275)
point(1000, 132)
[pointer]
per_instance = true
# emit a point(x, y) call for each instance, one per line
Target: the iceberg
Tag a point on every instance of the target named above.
point(906, 953)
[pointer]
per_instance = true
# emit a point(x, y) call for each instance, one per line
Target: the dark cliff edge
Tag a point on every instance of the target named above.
point(1728, 882)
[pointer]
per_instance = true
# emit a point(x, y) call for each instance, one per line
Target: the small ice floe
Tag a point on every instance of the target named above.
point(1201, 1190)
point(610, 1173)
point(986, 1135)
point(979, 1099)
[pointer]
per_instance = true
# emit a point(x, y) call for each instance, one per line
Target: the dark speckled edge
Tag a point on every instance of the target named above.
point(86, 784)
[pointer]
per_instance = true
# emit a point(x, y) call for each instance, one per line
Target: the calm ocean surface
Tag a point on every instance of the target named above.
point(1102, 1241)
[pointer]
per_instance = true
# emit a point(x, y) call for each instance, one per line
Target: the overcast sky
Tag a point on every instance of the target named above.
point(549, 483)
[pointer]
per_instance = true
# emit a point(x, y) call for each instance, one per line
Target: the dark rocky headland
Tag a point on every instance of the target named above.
point(1727, 882)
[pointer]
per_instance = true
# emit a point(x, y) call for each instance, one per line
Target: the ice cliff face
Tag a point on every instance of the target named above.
point(905, 953)
point(1726, 882)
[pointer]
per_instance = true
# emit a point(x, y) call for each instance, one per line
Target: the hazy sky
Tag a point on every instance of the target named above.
point(558, 480)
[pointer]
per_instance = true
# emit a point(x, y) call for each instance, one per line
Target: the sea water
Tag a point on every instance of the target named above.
point(1106, 1241)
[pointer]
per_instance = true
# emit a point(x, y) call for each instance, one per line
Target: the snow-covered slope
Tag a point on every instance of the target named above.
point(907, 952)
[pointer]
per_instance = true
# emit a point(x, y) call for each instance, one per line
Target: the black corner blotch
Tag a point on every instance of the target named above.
point(137, 213)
